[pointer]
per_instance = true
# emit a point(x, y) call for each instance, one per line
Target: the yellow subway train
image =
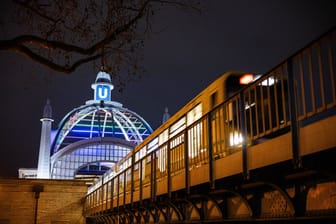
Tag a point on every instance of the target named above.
point(176, 156)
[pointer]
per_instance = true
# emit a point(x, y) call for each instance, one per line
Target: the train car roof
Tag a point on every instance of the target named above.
point(188, 106)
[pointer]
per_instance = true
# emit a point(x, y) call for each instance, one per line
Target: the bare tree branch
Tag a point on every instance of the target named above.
point(50, 64)
point(6, 44)
point(25, 4)
point(65, 36)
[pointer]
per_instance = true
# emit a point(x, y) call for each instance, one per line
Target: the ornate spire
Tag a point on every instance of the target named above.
point(47, 110)
point(43, 166)
point(166, 115)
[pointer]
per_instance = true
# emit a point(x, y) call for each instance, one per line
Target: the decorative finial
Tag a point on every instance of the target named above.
point(102, 87)
point(105, 68)
point(166, 115)
point(47, 110)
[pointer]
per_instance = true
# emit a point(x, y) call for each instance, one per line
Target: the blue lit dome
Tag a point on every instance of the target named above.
point(94, 136)
point(100, 121)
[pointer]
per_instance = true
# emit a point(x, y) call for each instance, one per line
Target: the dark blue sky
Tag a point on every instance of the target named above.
point(185, 54)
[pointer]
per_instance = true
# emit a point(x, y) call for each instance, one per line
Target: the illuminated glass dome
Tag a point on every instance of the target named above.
point(92, 137)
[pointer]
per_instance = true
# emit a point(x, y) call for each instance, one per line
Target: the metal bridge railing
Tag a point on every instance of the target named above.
point(314, 74)
point(295, 91)
point(266, 108)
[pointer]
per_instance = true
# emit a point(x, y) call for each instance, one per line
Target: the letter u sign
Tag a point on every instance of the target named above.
point(102, 93)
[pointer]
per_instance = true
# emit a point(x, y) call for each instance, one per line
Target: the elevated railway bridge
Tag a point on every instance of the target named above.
point(266, 153)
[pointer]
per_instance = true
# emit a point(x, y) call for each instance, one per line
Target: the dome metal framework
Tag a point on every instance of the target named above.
point(94, 136)
point(95, 120)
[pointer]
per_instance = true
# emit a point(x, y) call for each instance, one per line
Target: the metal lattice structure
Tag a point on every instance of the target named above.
point(90, 121)
point(94, 136)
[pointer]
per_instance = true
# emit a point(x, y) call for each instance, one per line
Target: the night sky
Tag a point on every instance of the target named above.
point(186, 53)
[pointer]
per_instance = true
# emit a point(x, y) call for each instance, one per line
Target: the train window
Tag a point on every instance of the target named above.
point(214, 99)
point(268, 81)
point(161, 154)
point(129, 162)
point(146, 172)
point(232, 124)
point(121, 183)
point(177, 127)
point(126, 163)
point(109, 190)
point(236, 138)
point(198, 142)
point(152, 145)
point(140, 154)
point(163, 137)
point(177, 159)
point(194, 114)
point(176, 141)
point(115, 187)
point(109, 174)
point(143, 169)
point(148, 159)
point(229, 112)
point(265, 104)
point(128, 180)
point(136, 176)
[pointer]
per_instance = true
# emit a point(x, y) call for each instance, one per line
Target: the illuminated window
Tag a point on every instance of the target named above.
point(140, 154)
point(270, 81)
point(121, 183)
point(129, 162)
point(163, 137)
point(146, 170)
point(194, 114)
point(128, 179)
point(198, 143)
point(236, 139)
point(176, 141)
point(177, 159)
point(177, 153)
point(136, 175)
point(177, 127)
point(162, 158)
point(152, 145)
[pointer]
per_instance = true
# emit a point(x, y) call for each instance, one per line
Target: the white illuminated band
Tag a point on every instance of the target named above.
point(46, 119)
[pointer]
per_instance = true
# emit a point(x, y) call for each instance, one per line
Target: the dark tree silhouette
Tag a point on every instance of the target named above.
point(65, 34)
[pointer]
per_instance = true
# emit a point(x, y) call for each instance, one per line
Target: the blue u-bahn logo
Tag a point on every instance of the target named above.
point(103, 92)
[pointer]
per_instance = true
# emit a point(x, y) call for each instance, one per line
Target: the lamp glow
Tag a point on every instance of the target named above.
point(246, 79)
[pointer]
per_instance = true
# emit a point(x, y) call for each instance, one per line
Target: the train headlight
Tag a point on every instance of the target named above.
point(246, 79)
